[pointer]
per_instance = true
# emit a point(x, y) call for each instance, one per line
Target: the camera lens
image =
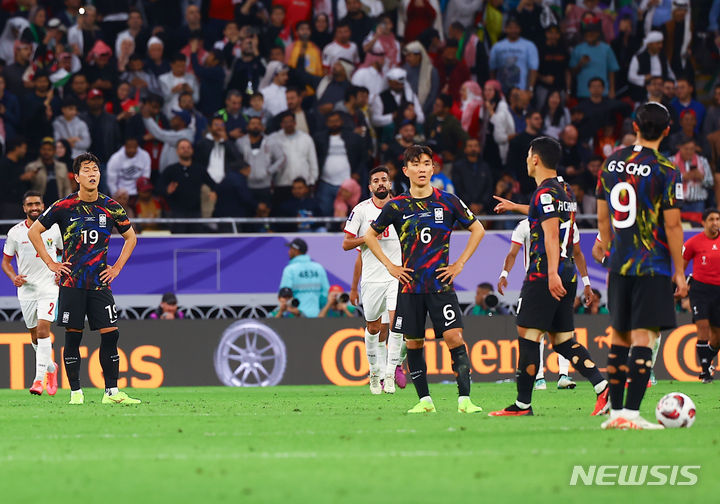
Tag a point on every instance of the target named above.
point(491, 300)
point(295, 302)
point(344, 297)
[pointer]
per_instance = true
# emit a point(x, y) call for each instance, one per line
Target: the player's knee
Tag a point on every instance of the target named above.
point(374, 326)
point(453, 339)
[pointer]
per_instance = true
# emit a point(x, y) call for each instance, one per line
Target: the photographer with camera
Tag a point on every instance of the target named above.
point(486, 302)
point(338, 304)
point(288, 306)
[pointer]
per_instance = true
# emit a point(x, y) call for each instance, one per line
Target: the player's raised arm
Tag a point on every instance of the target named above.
point(111, 272)
point(34, 235)
point(396, 271)
point(448, 273)
point(674, 232)
point(551, 230)
point(508, 264)
point(505, 205)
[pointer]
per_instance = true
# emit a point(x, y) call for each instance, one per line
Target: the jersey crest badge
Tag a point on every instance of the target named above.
point(546, 198)
point(439, 216)
point(103, 220)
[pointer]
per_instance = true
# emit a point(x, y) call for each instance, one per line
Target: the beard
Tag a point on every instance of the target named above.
point(381, 194)
point(254, 132)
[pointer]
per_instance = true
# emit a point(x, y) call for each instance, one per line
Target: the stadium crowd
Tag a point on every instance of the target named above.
point(254, 108)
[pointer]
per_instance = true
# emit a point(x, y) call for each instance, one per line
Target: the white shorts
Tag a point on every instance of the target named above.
point(42, 309)
point(378, 298)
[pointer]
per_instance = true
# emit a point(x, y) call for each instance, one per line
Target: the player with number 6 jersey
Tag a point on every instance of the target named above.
point(639, 196)
point(86, 220)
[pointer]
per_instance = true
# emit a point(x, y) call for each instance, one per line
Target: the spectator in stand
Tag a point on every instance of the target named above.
point(14, 71)
point(234, 198)
point(136, 32)
point(482, 307)
point(257, 108)
point(625, 45)
point(598, 110)
point(576, 14)
point(712, 115)
point(405, 138)
point(182, 183)
point(211, 78)
point(473, 48)
point(445, 134)
point(473, 178)
point(439, 180)
point(273, 87)
point(507, 187)
point(382, 41)
point(176, 81)
point(555, 115)
point(519, 146)
point(571, 164)
point(595, 308)
point(498, 119)
point(126, 166)
point(594, 166)
point(179, 130)
point(300, 157)
point(529, 15)
point(79, 88)
point(470, 108)
point(553, 72)
point(295, 11)
point(102, 70)
point(299, 204)
point(168, 309)
point(463, 12)
point(684, 100)
point(386, 105)
point(341, 154)
point(311, 53)
point(341, 47)
point(452, 72)
point(82, 36)
point(321, 35)
point(305, 119)
point(593, 59)
point(37, 111)
point(70, 127)
point(514, 61)
point(198, 123)
point(264, 158)
point(648, 62)
point(370, 73)
point(232, 114)
point(286, 308)
point(50, 175)
point(360, 24)
point(519, 103)
point(183, 32)
point(139, 79)
point(156, 64)
point(679, 33)
point(416, 16)
point(338, 304)
point(688, 128)
point(10, 116)
point(15, 179)
point(347, 198)
point(247, 70)
point(104, 129)
point(587, 204)
point(422, 75)
point(147, 206)
point(230, 46)
point(697, 176)
point(306, 278)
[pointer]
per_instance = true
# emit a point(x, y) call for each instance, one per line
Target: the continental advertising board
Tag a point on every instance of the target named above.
point(268, 352)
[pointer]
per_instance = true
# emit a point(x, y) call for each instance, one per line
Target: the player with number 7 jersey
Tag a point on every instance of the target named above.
point(86, 220)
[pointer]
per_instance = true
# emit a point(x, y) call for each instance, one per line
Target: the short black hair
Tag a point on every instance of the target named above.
point(178, 57)
point(31, 194)
point(343, 23)
point(596, 157)
point(300, 180)
point(548, 150)
point(457, 25)
point(708, 211)
point(283, 115)
point(656, 77)
point(293, 88)
point(83, 158)
point(446, 99)
point(14, 143)
point(595, 79)
point(300, 23)
point(414, 152)
point(486, 285)
point(378, 169)
point(652, 119)
point(350, 92)
point(333, 113)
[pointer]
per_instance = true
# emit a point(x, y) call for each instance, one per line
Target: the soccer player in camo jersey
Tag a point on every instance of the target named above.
point(37, 288)
point(86, 220)
point(548, 292)
point(423, 218)
point(639, 195)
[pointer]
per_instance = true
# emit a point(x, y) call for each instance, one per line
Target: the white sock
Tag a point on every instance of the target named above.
point(51, 367)
point(563, 365)
point(34, 346)
point(628, 414)
point(382, 357)
point(541, 369)
point(656, 348)
point(371, 350)
point(462, 398)
point(42, 358)
point(111, 391)
point(393, 352)
point(600, 386)
point(427, 399)
point(522, 405)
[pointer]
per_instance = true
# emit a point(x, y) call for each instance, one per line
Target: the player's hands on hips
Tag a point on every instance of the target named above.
point(354, 297)
point(555, 286)
point(588, 296)
point(400, 272)
point(19, 280)
point(60, 268)
point(448, 273)
point(502, 283)
point(505, 205)
point(110, 273)
point(681, 286)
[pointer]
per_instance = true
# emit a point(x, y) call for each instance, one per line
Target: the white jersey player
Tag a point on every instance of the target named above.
point(521, 238)
point(378, 289)
point(37, 288)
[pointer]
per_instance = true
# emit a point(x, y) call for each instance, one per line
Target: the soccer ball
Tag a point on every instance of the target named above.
point(675, 410)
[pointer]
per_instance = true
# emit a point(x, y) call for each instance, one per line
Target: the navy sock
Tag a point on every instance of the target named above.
point(418, 371)
point(109, 358)
point(580, 358)
point(639, 364)
point(461, 366)
point(617, 371)
point(71, 356)
point(528, 363)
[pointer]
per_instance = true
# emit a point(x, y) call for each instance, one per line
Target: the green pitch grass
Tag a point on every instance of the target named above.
point(327, 444)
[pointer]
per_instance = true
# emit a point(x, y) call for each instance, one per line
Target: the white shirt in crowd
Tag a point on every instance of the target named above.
point(216, 163)
point(370, 78)
point(334, 51)
point(40, 281)
point(168, 81)
point(655, 69)
point(123, 171)
point(357, 224)
point(521, 236)
point(275, 100)
point(377, 109)
point(337, 166)
point(300, 158)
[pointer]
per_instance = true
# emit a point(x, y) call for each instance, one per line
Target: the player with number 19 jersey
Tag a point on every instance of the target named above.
point(86, 228)
point(638, 183)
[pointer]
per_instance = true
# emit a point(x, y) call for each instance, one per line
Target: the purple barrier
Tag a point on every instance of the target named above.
point(210, 264)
